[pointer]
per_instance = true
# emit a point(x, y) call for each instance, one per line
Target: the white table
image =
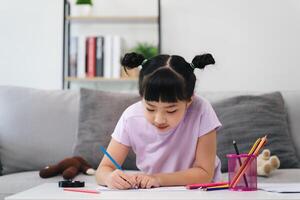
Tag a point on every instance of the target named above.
point(50, 191)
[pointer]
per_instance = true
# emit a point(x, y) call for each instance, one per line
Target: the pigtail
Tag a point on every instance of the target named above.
point(200, 61)
point(132, 60)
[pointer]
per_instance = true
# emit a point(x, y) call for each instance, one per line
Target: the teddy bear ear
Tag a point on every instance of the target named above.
point(266, 153)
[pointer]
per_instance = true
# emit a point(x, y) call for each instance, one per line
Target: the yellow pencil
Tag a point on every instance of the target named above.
point(254, 146)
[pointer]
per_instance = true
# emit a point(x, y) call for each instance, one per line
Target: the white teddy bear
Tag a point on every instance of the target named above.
point(267, 163)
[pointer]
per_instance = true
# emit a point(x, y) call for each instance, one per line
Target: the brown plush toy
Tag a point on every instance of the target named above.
point(69, 168)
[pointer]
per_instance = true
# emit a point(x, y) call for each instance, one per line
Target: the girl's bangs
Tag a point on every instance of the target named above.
point(164, 86)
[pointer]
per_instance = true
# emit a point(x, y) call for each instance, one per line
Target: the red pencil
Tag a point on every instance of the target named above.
point(204, 185)
point(81, 190)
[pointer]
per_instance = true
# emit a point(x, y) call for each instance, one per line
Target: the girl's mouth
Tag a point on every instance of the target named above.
point(162, 127)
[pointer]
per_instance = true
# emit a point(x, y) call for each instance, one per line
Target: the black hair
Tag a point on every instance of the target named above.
point(166, 78)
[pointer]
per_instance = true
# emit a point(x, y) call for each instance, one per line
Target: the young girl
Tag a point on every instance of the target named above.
point(172, 131)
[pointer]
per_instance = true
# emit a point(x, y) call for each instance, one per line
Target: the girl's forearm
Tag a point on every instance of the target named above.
point(102, 173)
point(189, 176)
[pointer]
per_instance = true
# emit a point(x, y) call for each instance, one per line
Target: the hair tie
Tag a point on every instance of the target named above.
point(144, 61)
point(192, 65)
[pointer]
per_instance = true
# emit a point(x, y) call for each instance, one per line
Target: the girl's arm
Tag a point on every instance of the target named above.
point(105, 169)
point(203, 167)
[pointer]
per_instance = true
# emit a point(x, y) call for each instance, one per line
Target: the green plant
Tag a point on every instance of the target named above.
point(146, 49)
point(80, 2)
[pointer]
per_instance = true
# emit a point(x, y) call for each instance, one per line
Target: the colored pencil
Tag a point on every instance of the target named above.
point(254, 146)
point(114, 162)
point(247, 162)
point(110, 158)
point(81, 190)
point(204, 185)
point(239, 159)
point(217, 188)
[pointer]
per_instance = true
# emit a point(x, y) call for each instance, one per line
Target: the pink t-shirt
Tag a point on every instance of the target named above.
point(170, 151)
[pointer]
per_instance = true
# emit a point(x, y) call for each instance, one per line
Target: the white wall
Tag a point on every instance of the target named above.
point(256, 43)
point(31, 43)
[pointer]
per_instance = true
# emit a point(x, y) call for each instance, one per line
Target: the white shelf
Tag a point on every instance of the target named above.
point(116, 23)
point(101, 79)
point(113, 19)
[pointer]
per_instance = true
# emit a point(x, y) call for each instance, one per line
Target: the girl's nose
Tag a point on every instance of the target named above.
point(160, 119)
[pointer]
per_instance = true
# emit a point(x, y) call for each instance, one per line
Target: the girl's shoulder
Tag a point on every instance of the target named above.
point(199, 107)
point(200, 103)
point(134, 110)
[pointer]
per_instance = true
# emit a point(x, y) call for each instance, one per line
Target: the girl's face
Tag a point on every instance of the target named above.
point(165, 116)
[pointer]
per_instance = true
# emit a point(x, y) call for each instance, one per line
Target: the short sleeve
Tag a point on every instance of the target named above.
point(208, 119)
point(120, 133)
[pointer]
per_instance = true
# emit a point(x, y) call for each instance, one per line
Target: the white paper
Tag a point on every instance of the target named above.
point(280, 187)
point(159, 189)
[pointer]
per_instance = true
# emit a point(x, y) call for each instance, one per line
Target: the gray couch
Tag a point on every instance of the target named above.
point(39, 127)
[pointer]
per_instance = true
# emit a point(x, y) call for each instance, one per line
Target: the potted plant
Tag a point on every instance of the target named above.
point(146, 49)
point(85, 2)
point(82, 7)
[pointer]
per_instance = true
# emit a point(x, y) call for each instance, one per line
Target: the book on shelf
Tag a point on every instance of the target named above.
point(73, 57)
point(96, 56)
point(108, 56)
point(91, 56)
point(99, 56)
point(81, 57)
point(116, 58)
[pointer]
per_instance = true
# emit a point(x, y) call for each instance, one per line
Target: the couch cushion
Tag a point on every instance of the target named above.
point(17, 182)
point(37, 127)
point(99, 113)
point(291, 101)
point(0, 166)
point(245, 118)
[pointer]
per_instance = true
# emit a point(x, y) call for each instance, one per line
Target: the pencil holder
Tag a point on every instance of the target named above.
point(242, 172)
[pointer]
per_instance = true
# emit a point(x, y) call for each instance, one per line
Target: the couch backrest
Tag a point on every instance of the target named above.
point(37, 127)
point(27, 114)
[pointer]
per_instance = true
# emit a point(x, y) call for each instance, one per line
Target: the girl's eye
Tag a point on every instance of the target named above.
point(150, 110)
point(173, 111)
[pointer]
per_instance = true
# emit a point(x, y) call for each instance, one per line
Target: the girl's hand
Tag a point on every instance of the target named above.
point(119, 180)
point(146, 181)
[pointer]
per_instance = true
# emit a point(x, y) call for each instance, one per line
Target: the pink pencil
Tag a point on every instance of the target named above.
point(204, 185)
point(81, 190)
